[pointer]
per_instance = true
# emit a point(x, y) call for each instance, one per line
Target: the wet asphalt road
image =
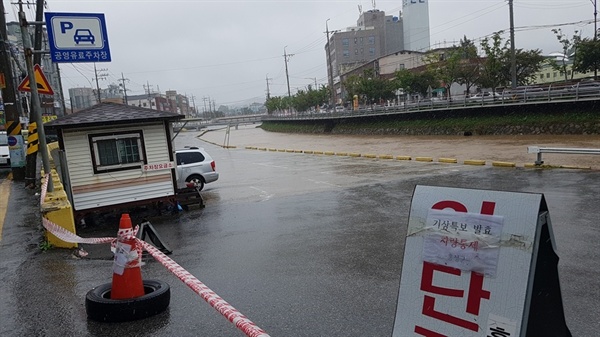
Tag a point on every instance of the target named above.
point(303, 245)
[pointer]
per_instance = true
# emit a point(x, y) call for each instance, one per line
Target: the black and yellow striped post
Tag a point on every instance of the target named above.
point(32, 139)
point(13, 128)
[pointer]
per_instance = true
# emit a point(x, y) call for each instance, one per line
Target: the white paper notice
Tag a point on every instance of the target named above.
point(466, 241)
point(121, 253)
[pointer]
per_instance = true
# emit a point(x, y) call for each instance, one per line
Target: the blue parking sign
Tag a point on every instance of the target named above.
point(77, 37)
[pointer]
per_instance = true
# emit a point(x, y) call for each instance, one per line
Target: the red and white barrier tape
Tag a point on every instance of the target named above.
point(214, 300)
point(44, 189)
point(67, 236)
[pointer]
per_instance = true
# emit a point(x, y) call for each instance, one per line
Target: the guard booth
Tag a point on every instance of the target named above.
point(113, 155)
point(479, 263)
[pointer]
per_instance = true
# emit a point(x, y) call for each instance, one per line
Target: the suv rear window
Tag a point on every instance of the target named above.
point(189, 157)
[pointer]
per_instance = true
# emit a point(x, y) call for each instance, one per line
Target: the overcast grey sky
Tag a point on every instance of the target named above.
point(226, 49)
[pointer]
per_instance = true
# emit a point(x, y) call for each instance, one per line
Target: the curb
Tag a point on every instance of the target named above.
point(473, 162)
point(503, 164)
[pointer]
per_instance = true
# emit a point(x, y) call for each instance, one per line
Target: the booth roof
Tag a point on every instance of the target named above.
point(111, 113)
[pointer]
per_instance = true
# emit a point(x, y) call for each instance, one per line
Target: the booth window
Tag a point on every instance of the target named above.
point(117, 151)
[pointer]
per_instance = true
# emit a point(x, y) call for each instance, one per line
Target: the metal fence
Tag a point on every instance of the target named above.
point(520, 96)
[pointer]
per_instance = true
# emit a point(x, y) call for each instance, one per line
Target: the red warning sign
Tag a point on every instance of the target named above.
point(43, 86)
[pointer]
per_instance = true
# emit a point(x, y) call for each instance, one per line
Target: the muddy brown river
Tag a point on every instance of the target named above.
point(509, 148)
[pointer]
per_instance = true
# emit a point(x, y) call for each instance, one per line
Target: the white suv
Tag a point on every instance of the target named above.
point(196, 166)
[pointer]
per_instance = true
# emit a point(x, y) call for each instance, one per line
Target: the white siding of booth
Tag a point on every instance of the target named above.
point(92, 190)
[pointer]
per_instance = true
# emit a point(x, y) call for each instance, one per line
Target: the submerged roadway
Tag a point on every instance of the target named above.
point(303, 245)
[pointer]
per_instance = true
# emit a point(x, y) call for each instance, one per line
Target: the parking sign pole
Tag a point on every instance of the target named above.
point(35, 98)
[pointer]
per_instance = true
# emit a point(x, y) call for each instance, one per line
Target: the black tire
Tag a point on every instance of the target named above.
point(196, 179)
point(100, 307)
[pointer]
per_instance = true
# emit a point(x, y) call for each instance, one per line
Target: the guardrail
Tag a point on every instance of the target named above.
point(539, 150)
point(583, 91)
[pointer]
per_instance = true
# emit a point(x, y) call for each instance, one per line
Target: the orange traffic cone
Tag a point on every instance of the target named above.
point(127, 274)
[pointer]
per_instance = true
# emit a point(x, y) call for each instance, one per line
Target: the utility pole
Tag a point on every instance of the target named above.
point(594, 2)
point(312, 78)
point(35, 98)
point(513, 59)
point(329, 67)
point(268, 92)
point(194, 105)
point(147, 87)
point(205, 111)
point(286, 57)
point(33, 137)
point(123, 79)
point(102, 76)
point(61, 93)
point(13, 123)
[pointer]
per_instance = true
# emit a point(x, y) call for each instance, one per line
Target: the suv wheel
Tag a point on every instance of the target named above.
point(197, 180)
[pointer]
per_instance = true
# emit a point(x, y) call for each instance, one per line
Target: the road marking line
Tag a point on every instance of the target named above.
point(264, 195)
point(318, 182)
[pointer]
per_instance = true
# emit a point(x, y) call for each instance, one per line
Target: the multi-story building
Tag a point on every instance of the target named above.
point(82, 98)
point(171, 101)
point(180, 103)
point(549, 75)
point(147, 101)
point(415, 17)
point(374, 36)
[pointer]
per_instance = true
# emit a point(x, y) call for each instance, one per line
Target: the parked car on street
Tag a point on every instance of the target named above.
point(195, 165)
point(585, 87)
point(486, 97)
point(4, 151)
point(525, 93)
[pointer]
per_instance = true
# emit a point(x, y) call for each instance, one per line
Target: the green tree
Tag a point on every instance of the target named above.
point(468, 71)
point(492, 66)
point(445, 67)
point(277, 103)
point(369, 87)
point(528, 64)
point(375, 88)
point(414, 82)
point(587, 57)
point(568, 48)
point(303, 100)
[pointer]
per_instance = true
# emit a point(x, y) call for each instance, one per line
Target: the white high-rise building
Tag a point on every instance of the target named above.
point(415, 15)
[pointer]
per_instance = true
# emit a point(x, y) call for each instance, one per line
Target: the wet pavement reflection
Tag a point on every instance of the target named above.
point(303, 245)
